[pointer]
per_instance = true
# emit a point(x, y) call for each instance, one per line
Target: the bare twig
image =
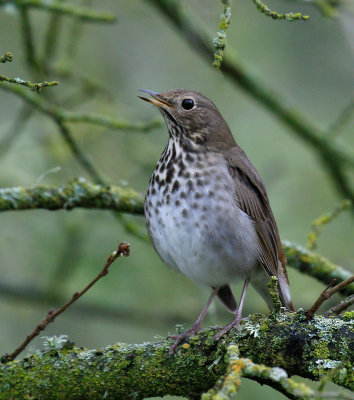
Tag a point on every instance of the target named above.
point(343, 305)
point(326, 294)
point(123, 249)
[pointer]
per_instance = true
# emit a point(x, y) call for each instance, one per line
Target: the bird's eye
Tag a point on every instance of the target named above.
point(187, 104)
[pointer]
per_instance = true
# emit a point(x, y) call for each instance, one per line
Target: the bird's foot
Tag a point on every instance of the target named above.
point(182, 336)
point(232, 325)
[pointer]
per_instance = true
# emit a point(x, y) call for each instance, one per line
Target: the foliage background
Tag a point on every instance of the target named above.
point(56, 253)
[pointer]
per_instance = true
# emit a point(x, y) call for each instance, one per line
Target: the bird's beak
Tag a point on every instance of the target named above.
point(156, 101)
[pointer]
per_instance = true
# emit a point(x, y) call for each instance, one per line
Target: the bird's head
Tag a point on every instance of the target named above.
point(192, 119)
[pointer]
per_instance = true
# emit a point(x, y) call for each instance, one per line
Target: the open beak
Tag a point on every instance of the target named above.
point(156, 100)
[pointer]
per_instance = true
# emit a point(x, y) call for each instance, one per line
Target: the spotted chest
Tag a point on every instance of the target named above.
point(193, 220)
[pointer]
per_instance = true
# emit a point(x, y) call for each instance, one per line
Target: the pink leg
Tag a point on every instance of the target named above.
point(196, 326)
point(237, 318)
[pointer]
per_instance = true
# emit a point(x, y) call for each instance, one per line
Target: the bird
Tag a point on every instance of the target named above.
point(207, 210)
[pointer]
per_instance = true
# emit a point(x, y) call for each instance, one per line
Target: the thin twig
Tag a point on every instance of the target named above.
point(123, 249)
point(291, 16)
point(34, 86)
point(343, 305)
point(326, 294)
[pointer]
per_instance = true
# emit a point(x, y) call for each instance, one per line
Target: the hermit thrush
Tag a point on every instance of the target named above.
point(207, 210)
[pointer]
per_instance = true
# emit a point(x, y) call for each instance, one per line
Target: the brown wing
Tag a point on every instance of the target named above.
point(251, 197)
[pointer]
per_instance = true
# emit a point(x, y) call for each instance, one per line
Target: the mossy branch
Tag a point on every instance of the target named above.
point(239, 367)
point(35, 87)
point(59, 7)
point(77, 193)
point(316, 266)
point(275, 15)
point(310, 349)
point(220, 40)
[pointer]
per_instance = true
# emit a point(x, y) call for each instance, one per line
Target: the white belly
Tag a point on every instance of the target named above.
point(199, 230)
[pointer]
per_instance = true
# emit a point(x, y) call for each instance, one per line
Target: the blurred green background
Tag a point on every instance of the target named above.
point(46, 256)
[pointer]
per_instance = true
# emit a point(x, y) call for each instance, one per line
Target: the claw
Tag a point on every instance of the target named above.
point(179, 338)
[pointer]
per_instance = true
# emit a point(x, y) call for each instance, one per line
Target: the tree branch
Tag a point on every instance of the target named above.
point(316, 266)
point(275, 15)
point(60, 7)
point(34, 86)
point(306, 348)
point(238, 368)
point(77, 193)
point(326, 294)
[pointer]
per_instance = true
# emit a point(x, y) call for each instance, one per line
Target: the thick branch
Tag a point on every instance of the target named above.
point(77, 193)
point(309, 349)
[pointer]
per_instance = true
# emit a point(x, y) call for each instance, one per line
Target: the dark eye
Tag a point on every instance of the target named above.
point(187, 104)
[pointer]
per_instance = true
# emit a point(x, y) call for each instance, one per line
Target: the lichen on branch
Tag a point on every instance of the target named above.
point(76, 193)
point(34, 86)
point(220, 40)
point(7, 57)
point(316, 266)
point(310, 349)
point(291, 16)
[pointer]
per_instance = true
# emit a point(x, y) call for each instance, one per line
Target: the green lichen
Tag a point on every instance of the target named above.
point(274, 294)
point(7, 57)
point(220, 40)
point(76, 193)
point(307, 348)
point(348, 316)
point(316, 266)
point(275, 15)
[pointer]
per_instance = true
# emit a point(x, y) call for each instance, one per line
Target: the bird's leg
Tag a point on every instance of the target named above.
point(196, 326)
point(237, 318)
